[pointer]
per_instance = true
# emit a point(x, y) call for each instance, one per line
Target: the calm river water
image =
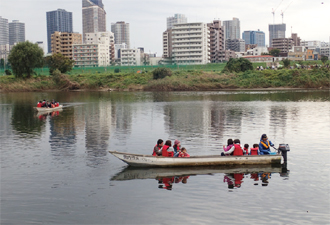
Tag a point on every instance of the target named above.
point(56, 169)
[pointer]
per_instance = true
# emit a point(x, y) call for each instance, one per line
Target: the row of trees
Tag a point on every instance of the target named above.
point(26, 56)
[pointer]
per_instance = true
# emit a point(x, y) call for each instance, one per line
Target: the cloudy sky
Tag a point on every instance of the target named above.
point(147, 18)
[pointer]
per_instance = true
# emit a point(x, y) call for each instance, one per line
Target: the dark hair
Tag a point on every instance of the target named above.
point(183, 148)
point(255, 145)
point(230, 141)
point(159, 141)
point(168, 143)
point(237, 141)
point(246, 145)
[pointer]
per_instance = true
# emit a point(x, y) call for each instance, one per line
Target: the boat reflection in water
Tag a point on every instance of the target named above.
point(43, 115)
point(233, 176)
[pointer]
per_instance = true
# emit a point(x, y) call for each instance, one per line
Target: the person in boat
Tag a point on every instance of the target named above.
point(167, 150)
point(264, 145)
point(39, 104)
point(44, 104)
point(183, 153)
point(236, 149)
point(177, 148)
point(158, 148)
point(254, 150)
point(230, 144)
point(246, 149)
point(57, 104)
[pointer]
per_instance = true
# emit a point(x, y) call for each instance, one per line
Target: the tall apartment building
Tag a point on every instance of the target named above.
point(58, 20)
point(16, 32)
point(4, 31)
point(177, 18)
point(93, 16)
point(167, 43)
point(121, 32)
point(62, 42)
point(217, 41)
point(296, 39)
point(276, 31)
point(98, 50)
point(190, 43)
point(254, 37)
point(236, 45)
point(232, 29)
point(283, 44)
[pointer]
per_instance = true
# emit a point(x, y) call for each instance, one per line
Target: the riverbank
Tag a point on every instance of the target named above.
point(190, 80)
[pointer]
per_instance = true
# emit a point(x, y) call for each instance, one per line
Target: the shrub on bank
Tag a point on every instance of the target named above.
point(161, 73)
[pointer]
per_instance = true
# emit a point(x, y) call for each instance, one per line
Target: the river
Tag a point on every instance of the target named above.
point(56, 169)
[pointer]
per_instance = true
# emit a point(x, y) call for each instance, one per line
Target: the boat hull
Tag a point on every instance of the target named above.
point(42, 109)
point(137, 160)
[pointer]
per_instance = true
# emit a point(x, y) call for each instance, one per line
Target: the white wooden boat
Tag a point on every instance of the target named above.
point(132, 173)
point(43, 109)
point(139, 160)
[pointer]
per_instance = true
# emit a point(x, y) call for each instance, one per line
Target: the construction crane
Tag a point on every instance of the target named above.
point(282, 12)
point(274, 10)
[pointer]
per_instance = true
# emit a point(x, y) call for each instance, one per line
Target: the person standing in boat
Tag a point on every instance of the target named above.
point(158, 148)
point(167, 150)
point(264, 145)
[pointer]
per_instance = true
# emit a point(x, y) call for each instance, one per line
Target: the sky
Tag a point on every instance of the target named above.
point(147, 18)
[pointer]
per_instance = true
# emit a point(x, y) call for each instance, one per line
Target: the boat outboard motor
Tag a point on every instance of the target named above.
point(284, 148)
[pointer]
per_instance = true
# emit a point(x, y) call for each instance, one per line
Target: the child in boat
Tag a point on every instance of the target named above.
point(183, 153)
point(236, 149)
point(176, 147)
point(158, 148)
point(246, 149)
point(167, 150)
point(230, 145)
point(39, 104)
point(254, 150)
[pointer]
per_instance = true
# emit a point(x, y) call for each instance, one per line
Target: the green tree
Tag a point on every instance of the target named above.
point(161, 72)
point(24, 58)
point(275, 52)
point(324, 59)
point(238, 65)
point(286, 63)
point(60, 62)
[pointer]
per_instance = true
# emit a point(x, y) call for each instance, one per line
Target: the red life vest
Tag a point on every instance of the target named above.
point(238, 150)
point(164, 151)
point(246, 151)
point(254, 151)
point(57, 104)
point(39, 105)
point(154, 153)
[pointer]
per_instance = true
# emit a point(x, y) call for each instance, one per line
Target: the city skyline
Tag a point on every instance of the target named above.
point(148, 19)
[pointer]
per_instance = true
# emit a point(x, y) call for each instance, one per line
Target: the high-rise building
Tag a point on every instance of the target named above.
point(217, 41)
point(121, 32)
point(232, 29)
point(93, 17)
point(4, 31)
point(190, 43)
point(296, 39)
point(254, 38)
point(177, 18)
point(58, 20)
point(236, 45)
point(62, 42)
point(167, 43)
point(276, 31)
point(16, 32)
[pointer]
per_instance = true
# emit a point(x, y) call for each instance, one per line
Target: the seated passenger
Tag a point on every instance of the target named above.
point(236, 149)
point(39, 104)
point(264, 145)
point(230, 144)
point(246, 149)
point(176, 147)
point(167, 150)
point(44, 104)
point(158, 148)
point(183, 153)
point(57, 104)
point(254, 150)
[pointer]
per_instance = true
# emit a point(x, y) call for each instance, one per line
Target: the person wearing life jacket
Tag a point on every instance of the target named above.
point(57, 104)
point(238, 149)
point(254, 150)
point(43, 104)
point(246, 149)
point(167, 150)
point(39, 104)
point(158, 148)
point(183, 153)
point(264, 145)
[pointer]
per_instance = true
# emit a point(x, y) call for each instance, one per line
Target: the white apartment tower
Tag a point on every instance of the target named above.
point(121, 32)
point(232, 29)
point(191, 43)
point(177, 18)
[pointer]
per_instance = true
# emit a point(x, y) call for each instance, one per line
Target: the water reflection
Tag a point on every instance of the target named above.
point(168, 177)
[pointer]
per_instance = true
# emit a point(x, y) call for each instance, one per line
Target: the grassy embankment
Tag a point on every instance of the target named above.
point(198, 77)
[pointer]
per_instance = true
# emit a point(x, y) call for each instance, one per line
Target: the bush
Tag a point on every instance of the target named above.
point(238, 65)
point(8, 72)
point(117, 70)
point(161, 73)
point(286, 63)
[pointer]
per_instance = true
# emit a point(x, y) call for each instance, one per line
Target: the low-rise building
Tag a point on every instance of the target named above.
point(283, 44)
point(297, 53)
point(62, 42)
point(130, 57)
